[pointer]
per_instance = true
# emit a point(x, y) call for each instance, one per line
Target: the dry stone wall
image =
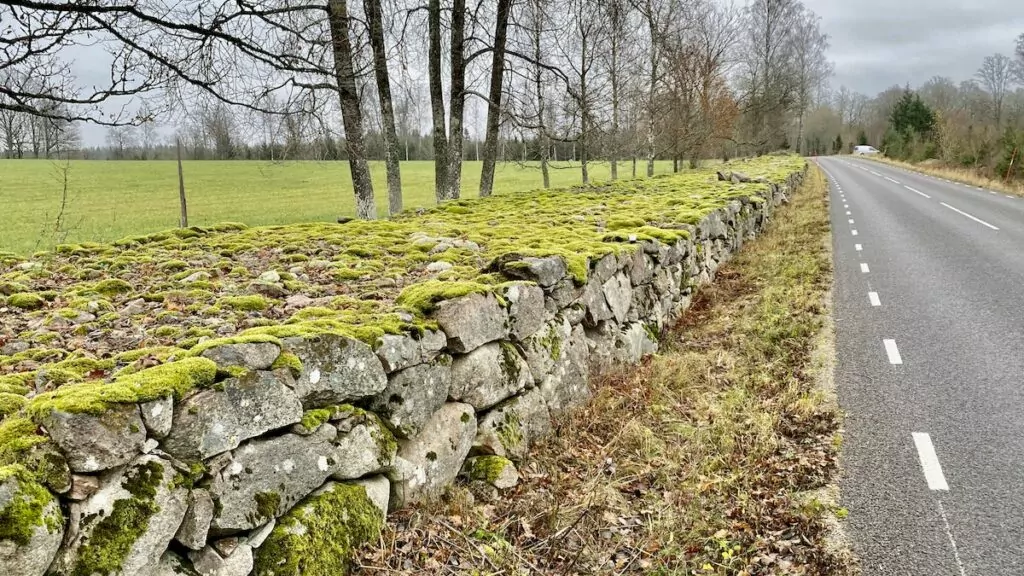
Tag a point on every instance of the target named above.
point(300, 456)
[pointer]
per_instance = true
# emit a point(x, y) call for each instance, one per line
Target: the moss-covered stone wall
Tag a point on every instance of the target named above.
point(254, 401)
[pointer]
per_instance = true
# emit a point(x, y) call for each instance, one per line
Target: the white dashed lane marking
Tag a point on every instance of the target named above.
point(858, 247)
point(873, 298)
point(891, 180)
point(864, 268)
point(892, 352)
point(929, 461)
point(917, 192)
point(959, 211)
point(854, 232)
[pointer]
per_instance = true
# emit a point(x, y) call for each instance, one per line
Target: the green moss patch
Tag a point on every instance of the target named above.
point(318, 537)
point(25, 512)
point(26, 301)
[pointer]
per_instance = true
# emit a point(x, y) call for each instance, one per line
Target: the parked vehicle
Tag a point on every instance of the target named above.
point(865, 150)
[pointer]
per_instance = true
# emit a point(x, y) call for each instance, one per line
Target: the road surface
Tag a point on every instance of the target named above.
point(929, 304)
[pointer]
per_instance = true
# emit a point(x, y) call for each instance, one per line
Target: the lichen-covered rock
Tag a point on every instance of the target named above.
point(472, 321)
point(335, 370)
point(526, 311)
point(412, 395)
point(634, 342)
point(619, 294)
point(257, 537)
point(97, 442)
point(431, 461)
point(251, 355)
point(126, 526)
point(605, 268)
point(510, 428)
point(158, 416)
point(601, 342)
point(546, 271)
point(561, 295)
point(214, 421)
point(593, 300)
point(172, 565)
point(488, 375)
point(546, 347)
point(368, 447)
point(210, 562)
point(319, 536)
point(400, 351)
point(641, 270)
point(497, 471)
point(266, 477)
point(196, 524)
point(567, 386)
point(31, 524)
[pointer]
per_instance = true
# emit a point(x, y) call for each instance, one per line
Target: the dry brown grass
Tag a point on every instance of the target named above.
point(714, 457)
point(962, 175)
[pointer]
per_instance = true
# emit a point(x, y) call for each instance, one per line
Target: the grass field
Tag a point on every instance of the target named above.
point(110, 200)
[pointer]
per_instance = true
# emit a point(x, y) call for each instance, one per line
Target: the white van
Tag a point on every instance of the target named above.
point(865, 150)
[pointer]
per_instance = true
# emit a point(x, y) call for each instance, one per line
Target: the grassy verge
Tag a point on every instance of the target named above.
point(715, 457)
point(962, 175)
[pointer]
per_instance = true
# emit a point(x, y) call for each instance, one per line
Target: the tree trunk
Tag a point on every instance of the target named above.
point(494, 103)
point(183, 221)
point(538, 86)
point(437, 102)
point(387, 109)
point(616, 35)
point(351, 114)
point(457, 98)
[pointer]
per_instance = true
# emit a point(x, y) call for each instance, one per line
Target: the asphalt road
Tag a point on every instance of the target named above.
point(929, 304)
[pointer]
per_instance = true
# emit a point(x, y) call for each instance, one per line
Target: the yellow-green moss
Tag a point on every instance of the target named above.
point(312, 419)
point(319, 536)
point(111, 287)
point(241, 339)
point(290, 361)
point(424, 296)
point(94, 397)
point(488, 468)
point(26, 301)
point(113, 536)
point(249, 303)
point(11, 403)
point(26, 510)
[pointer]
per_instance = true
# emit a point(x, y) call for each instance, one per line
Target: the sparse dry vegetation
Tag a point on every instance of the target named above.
point(714, 457)
point(962, 175)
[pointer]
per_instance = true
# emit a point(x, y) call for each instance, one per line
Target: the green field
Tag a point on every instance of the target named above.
point(110, 200)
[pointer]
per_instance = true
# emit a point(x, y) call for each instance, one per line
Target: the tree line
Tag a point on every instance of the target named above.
point(624, 82)
point(975, 123)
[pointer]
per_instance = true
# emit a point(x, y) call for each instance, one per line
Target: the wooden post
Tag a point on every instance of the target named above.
point(1009, 168)
point(181, 189)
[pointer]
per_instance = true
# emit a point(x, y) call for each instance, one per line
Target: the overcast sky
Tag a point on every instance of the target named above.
point(878, 43)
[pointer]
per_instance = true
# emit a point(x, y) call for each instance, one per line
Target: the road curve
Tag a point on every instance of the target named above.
point(929, 304)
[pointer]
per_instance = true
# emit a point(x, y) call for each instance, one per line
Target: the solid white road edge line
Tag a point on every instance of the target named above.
point(864, 268)
point(892, 351)
point(929, 461)
point(873, 297)
point(952, 541)
point(978, 220)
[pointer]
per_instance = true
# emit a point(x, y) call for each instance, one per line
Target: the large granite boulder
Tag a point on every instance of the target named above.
point(335, 370)
point(412, 395)
point(488, 375)
point(432, 460)
point(91, 442)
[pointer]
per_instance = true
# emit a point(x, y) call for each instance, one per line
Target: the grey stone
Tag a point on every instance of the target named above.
point(412, 395)
point(150, 445)
point(399, 351)
point(196, 277)
point(266, 477)
point(642, 270)
point(472, 321)
point(15, 347)
point(209, 562)
point(172, 565)
point(497, 471)
point(597, 309)
point(619, 294)
point(546, 271)
point(466, 245)
point(574, 313)
point(431, 461)
point(510, 428)
point(257, 537)
point(546, 347)
point(567, 386)
point(83, 487)
point(605, 268)
point(562, 294)
point(196, 524)
point(368, 447)
point(526, 311)
point(35, 556)
point(440, 247)
point(335, 370)
point(601, 344)
point(378, 490)
point(488, 375)
point(712, 227)
point(214, 421)
point(165, 499)
point(97, 442)
point(298, 301)
point(270, 277)
point(158, 416)
point(438, 267)
point(634, 343)
point(254, 355)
